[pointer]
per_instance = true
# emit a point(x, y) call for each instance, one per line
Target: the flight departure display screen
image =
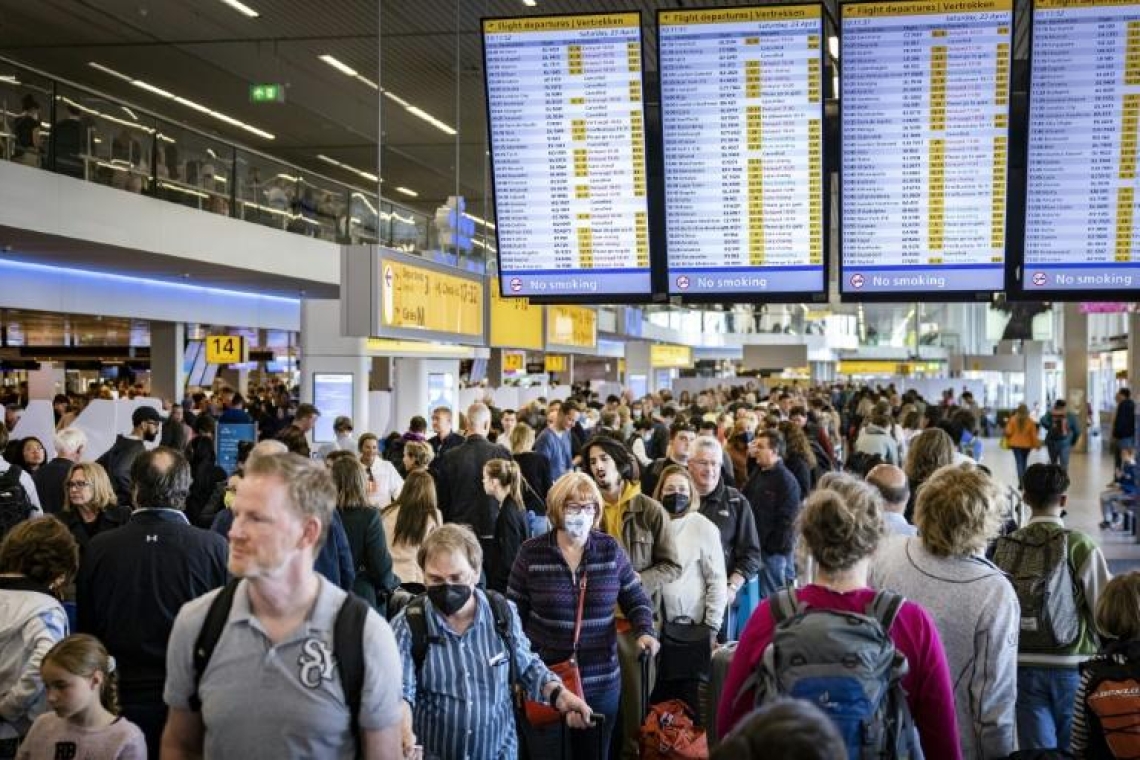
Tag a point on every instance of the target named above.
point(925, 130)
point(567, 126)
point(1084, 107)
point(742, 120)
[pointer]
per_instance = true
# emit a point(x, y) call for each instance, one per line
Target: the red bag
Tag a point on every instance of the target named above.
point(669, 733)
point(541, 715)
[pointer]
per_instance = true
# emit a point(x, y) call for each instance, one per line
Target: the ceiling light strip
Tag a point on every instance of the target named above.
point(144, 85)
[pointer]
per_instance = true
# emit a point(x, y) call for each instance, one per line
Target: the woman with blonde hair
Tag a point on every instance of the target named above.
point(408, 521)
point(1021, 438)
point(89, 503)
point(534, 467)
point(418, 455)
point(931, 450)
point(842, 527)
point(502, 481)
point(578, 567)
point(957, 515)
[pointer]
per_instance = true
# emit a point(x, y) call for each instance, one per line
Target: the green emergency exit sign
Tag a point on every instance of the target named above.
point(267, 93)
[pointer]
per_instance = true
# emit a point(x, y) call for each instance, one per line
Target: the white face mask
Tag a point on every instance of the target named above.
point(579, 525)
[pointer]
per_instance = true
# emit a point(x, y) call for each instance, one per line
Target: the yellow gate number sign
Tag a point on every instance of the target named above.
point(226, 349)
point(514, 361)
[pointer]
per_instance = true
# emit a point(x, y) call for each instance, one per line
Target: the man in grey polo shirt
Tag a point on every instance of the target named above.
point(271, 688)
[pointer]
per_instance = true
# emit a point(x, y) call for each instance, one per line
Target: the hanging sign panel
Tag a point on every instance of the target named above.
point(1084, 109)
point(742, 115)
point(567, 128)
point(925, 133)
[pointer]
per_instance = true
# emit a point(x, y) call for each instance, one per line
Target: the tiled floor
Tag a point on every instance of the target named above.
point(1090, 474)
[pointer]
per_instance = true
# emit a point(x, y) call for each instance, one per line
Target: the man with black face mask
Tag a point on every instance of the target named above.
point(118, 459)
point(453, 634)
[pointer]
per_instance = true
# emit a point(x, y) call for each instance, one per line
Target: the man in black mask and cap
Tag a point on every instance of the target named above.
point(117, 460)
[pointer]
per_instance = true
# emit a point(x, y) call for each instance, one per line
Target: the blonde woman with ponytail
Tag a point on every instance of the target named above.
point(841, 525)
point(83, 694)
point(502, 481)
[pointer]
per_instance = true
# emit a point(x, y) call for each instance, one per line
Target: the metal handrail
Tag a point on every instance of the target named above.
point(231, 144)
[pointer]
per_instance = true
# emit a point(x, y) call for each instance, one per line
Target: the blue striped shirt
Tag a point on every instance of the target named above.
point(461, 705)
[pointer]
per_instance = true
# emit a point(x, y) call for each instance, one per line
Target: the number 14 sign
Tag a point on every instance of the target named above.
point(226, 349)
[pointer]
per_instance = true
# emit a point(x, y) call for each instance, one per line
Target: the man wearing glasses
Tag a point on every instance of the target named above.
point(118, 459)
point(731, 513)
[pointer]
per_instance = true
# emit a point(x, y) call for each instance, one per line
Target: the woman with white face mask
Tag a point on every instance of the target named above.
point(550, 575)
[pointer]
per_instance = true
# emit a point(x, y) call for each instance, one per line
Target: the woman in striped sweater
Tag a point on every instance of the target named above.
point(544, 584)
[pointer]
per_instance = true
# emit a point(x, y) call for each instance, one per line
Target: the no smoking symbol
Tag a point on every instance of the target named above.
point(1039, 279)
point(857, 281)
point(516, 285)
point(683, 282)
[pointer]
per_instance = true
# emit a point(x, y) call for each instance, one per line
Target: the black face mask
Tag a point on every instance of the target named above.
point(675, 503)
point(448, 598)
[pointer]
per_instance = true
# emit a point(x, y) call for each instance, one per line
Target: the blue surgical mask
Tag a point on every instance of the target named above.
point(578, 525)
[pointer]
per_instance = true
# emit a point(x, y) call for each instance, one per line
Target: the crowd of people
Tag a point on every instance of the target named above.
point(582, 553)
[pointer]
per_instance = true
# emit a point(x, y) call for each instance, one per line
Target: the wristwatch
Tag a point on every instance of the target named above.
point(554, 695)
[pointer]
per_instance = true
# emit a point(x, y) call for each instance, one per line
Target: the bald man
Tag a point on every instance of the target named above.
point(892, 484)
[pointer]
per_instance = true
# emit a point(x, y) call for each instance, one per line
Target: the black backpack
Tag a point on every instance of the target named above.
point(15, 504)
point(348, 648)
point(1112, 701)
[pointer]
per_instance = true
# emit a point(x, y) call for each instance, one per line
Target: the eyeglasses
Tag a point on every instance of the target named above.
point(708, 464)
point(578, 509)
point(78, 484)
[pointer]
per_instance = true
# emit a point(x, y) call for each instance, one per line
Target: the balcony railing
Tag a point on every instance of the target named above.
point(61, 127)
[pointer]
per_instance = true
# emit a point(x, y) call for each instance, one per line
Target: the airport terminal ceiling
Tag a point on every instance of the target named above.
point(210, 53)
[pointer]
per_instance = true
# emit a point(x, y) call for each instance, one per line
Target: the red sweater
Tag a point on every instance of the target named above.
point(927, 685)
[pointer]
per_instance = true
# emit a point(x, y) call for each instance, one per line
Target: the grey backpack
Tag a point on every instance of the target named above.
point(845, 664)
point(1036, 558)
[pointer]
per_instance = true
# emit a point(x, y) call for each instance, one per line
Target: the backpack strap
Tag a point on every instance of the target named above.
point(348, 647)
point(416, 617)
point(784, 605)
point(209, 634)
point(501, 611)
point(885, 608)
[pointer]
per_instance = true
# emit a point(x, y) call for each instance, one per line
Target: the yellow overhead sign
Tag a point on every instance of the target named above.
point(226, 349)
point(571, 327)
point(514, 361)
point(555, 363)
point(670, 355)
point(515, 322)
point(419, 298)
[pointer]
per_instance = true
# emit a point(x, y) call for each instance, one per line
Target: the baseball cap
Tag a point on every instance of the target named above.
point(146, 414)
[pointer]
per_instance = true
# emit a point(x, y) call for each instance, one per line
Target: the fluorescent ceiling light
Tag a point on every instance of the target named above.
point(479, 220)
point(407, 192)
point(129, 113)
point(340, 66)
point(143, 85)
point(9, 78)
point(396, 99)
point(112, 72)
point(344, 68)
point(529, 3)
point(416, 111)
point(242, 8)
point(359, 172)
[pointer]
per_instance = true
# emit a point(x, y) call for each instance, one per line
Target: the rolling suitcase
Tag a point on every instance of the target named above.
point(721, 660)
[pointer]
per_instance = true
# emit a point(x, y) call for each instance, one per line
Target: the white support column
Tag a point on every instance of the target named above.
point(1076, 356)
point(324, 349)
point(167, 343)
